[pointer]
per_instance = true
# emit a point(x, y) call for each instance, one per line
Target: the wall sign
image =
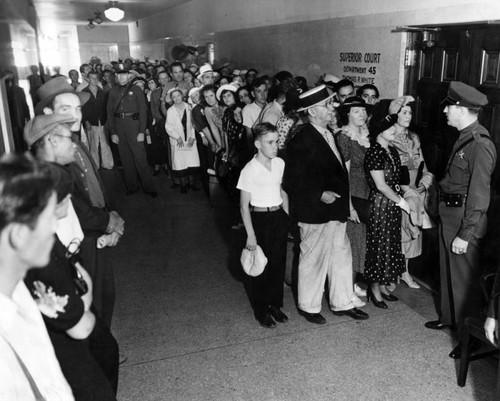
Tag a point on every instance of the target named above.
point(360, 68)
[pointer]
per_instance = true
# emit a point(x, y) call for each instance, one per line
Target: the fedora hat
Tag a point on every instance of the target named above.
point(56, 86)
point(39, 126)
point(204, 69)
point(313, 97)
point(253, 262)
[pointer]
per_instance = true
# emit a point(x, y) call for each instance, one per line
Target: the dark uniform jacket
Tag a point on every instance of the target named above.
point(469, 173)
point(133, 101)
point(311, 169)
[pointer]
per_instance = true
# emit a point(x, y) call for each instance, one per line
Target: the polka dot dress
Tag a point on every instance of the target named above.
point(384, 260)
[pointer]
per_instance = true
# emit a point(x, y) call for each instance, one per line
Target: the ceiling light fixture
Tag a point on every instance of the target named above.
point(114, 13)
point(98, 19)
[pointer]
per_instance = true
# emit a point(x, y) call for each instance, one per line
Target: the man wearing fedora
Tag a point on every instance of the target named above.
point(317, 182)
point(464, 197)
point(206, 74)
point(89, 197)
point(127, 121)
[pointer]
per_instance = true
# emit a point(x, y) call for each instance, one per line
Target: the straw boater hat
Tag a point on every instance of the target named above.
point(56, 86)
point(313, 97)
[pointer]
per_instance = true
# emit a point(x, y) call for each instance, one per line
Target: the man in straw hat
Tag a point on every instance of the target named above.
point(464, 195)
point(317, 182)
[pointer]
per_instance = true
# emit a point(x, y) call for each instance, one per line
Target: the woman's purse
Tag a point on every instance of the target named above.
point(363, 208)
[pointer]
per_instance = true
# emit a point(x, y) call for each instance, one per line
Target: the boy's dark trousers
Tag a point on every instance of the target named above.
point(271, 230)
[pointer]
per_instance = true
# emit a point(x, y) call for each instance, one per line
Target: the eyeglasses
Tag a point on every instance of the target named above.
point(326, 105)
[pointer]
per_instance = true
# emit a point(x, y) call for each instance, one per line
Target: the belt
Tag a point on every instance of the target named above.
point(265, 209)
point(443, 196)
point(127, 115)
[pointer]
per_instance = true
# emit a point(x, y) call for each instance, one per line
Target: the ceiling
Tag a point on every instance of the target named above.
point(79, 12)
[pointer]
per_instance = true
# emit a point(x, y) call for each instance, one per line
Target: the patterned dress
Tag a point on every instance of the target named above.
point(384, 260)
point(353, 148)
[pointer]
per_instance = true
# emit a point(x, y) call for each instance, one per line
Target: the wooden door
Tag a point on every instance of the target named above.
point(470, 54)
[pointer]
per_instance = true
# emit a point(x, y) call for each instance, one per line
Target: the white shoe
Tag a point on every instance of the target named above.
point(358, 303)
point(408, 280)
point(210, 171)
point(360, 292)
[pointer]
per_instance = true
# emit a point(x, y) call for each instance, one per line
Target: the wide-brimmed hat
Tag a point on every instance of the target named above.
point(353, 101)
point(253, 262)
point(313, 97)
point(56, 86)
point(204, 69)
point(40, 126)
point(379, 125)
point(227, 87)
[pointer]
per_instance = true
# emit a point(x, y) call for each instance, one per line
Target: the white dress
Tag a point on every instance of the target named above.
point(183, 158)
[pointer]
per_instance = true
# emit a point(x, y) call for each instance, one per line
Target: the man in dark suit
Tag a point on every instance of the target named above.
point(317, 182)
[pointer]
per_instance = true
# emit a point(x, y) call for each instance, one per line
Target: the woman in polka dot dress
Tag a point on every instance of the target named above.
point(384, 260)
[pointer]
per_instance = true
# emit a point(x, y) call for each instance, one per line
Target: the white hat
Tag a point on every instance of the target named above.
point(227, 87)
point(191, 91)
point(253, 262)
point(331, 78)
point(204, 69)
point(172, 90)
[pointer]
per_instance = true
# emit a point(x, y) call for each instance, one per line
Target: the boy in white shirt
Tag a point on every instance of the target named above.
point(264, 209)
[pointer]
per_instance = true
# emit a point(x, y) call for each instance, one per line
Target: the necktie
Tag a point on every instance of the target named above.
point(331, 142)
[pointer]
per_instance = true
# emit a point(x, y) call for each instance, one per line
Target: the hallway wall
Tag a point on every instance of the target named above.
point(305, 37)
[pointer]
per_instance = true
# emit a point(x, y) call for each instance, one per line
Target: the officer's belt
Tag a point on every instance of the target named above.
point(134, 116)
point(452, 200)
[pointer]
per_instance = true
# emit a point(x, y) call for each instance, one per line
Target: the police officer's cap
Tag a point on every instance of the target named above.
point(460, 94)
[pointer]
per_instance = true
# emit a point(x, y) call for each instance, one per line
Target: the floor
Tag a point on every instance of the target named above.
point(183, 320)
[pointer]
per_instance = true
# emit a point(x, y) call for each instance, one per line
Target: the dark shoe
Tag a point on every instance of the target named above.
point(183, 189)
point(389, 297)
point(153, 194)
point(375, 301)
point(128, 193)
point(436, 325)
point(278, 315)
point(193, 187)
point(156, 172)
point(315, 318)
point(354, 313)
point(266, 321)
point(174, 185)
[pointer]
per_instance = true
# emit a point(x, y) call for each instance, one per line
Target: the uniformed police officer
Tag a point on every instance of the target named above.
point(464, 200)
point(127, 119)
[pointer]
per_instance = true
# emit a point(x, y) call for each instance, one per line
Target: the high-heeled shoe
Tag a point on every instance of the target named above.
point(389, 297)
point(409, 281)
point(376, 303)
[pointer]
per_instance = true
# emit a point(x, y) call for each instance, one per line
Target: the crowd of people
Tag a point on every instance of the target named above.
point(337, 162)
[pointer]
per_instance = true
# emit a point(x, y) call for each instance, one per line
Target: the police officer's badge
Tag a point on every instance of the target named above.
point(461, 155)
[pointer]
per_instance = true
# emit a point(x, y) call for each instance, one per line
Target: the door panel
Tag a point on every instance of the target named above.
point(470, 54)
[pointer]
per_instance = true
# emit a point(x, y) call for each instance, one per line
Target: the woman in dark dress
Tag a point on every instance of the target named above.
point(156, 150)
point(384, 260)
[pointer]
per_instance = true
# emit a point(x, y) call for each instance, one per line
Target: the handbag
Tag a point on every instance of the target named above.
point(363, 208)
